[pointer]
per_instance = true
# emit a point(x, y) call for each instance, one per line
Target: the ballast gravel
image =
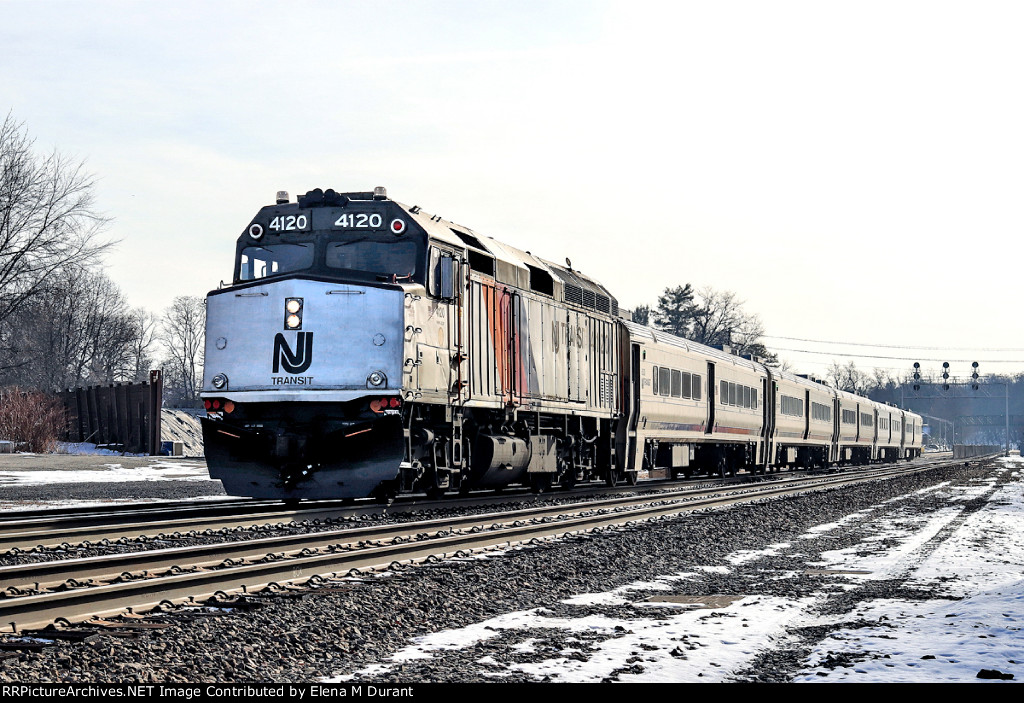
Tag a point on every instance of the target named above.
point(299, 636)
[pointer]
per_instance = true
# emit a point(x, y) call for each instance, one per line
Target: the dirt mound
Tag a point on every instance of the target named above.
point(182, 426)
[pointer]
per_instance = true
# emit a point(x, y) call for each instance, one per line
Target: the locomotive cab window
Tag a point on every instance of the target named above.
point(444, 273)
point(384, 258)
point(273, 260)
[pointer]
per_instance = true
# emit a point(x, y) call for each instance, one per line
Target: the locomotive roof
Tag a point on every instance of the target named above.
point(510, 265)
point(517, 262)
point(642, 331)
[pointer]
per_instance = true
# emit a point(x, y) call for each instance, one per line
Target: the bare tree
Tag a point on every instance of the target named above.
point(75, 330)
point(183, 334)
point(719, 319)
point(717, 316)
point(47, 217)
point(141, 347)
point(849, 378)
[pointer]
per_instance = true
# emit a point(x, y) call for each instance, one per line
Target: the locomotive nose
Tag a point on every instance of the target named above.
point(305, 335)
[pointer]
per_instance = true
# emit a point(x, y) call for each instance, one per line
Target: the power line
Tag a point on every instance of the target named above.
point(891, 346)
point(899, 358)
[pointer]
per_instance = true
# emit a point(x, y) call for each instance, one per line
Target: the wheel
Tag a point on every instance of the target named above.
point(721, 466)
point(613, 476)
point(435, 483)
point(540, 482)
point(632, 477)
point(386, 492)
point(568, 481)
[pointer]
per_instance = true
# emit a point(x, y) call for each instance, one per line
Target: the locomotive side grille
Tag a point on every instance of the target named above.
point(602, 304)
point(573, 294)
point(588, 298)
point(607, 390)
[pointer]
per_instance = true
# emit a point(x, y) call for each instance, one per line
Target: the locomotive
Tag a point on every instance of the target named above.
point(367, 348)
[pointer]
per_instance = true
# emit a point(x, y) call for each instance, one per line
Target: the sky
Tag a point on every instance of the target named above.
point(851, 171)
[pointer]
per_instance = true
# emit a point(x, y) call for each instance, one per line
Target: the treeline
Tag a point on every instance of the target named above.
point(63, 321)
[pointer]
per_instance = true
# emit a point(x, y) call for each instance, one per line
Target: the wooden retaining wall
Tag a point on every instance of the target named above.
point(125, 414)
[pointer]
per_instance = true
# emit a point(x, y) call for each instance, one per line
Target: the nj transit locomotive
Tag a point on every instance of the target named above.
point(367, 348)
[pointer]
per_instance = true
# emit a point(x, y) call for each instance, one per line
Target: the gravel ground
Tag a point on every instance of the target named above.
point(127, 491)
point(307, 638)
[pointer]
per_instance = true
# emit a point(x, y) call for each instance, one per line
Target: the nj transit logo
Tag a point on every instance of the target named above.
point(293, 361)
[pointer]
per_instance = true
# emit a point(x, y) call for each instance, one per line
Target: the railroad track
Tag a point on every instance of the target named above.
point(95, 526)
point(25, 530)
point(75, 589)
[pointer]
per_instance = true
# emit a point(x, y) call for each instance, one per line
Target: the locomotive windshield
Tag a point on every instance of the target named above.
point(274, 259)
point(386, 258)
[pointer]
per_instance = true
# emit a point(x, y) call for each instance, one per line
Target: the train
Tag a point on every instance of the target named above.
point(366, 348)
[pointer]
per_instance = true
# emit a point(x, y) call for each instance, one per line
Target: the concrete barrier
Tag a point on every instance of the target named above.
point(966, 451)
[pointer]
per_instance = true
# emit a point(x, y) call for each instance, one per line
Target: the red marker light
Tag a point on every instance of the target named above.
point(395, 402)
point(397, 226)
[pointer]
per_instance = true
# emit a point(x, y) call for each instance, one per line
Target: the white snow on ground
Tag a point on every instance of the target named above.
point(88, 448)
point(944, 640)
point(159, 470)
point(103, 470)
point(771, 550)
point(981, 563)
point(10, 507)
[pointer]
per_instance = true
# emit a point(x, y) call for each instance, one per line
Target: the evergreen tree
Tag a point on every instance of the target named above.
point(642, 314)
point(676, 310)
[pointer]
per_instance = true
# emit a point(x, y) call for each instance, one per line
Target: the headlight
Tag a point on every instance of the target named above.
point(293, 313)
point(220, 381)
point(377, 378)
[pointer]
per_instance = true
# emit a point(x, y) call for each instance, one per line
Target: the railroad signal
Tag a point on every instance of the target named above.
point(974, 375)
point(917, 376)
point(945, 375)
